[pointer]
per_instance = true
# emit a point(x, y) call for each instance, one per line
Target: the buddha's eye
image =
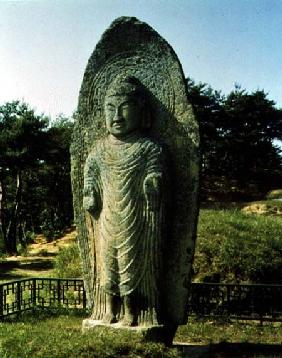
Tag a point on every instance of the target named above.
point(110, 107)
point(128, 104)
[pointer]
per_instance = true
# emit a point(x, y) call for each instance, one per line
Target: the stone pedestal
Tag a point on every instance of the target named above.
point(158, 333)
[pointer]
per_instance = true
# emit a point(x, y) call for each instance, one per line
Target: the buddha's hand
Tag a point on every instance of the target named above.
point(89, 204)
point(152, 190)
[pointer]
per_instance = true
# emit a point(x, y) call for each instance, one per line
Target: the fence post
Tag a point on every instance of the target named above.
point(59, 292)
point(33, 293)
point(18, 294)
point(1, 302)
point(84, 298)
point(228, 301)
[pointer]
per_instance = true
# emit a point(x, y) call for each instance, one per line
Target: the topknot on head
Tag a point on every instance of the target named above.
point(125, 85)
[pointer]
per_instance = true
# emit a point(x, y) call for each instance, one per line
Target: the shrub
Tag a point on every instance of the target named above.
point(234, 246)
point(22, 249)
point(275, 194)
point(67, 263)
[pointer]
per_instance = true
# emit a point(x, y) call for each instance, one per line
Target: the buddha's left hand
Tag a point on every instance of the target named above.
point(152, 190)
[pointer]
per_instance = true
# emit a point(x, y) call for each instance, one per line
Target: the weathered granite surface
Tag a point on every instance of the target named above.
point(135, 182)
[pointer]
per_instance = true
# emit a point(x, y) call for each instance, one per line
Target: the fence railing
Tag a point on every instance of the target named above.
point(22, 295)
point(263, 302)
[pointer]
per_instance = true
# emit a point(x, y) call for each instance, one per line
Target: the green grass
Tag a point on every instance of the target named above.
point(59, 336)
point(206, 331)
point(233, 246)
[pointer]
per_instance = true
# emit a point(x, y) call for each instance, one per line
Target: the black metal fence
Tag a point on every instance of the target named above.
point(263, 302)
point(22, 295)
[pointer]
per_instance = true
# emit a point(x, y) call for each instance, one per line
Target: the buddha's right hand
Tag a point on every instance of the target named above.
point(89, 204)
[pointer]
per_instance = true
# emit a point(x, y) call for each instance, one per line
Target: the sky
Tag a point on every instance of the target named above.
point(45, 45)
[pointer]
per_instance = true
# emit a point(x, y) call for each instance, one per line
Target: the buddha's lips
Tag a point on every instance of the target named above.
point(118, 124)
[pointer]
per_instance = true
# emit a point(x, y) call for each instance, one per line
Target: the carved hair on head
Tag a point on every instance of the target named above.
point(126, 85)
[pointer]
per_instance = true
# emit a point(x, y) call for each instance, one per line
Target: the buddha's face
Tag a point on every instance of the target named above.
point(123, 115)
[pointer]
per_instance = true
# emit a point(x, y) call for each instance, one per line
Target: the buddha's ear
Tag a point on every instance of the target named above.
point(147, 117)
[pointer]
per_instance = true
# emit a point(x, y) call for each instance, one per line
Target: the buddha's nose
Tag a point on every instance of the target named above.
point(118, 115)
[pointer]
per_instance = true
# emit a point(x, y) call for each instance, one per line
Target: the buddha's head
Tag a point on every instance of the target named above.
point(124, 106)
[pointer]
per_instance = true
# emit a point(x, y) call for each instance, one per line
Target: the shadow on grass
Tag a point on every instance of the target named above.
point(229, 350)
point(36, 315)
point(37, 265)
point(45, 254)
point(245, 350)
point(6, 277)
point(7, 267)
point(223, 205)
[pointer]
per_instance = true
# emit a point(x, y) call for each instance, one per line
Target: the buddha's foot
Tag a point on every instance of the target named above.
point(109, 318)
point(127, 321)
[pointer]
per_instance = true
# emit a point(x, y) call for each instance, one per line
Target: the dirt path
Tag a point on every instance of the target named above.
point(38, 262)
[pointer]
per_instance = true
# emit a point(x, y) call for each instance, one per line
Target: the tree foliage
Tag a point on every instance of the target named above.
point(57, 212)
point(239, 159)
point(34, 174)
point(237, 134)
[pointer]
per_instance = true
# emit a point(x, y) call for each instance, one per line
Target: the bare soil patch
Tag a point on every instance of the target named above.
point(38, 260)
point(264, 208)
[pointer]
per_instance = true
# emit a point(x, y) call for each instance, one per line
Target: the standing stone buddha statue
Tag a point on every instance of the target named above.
point(135, 211)
point(124, 179)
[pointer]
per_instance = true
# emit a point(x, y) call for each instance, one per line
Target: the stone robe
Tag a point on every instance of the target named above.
point(128, 223)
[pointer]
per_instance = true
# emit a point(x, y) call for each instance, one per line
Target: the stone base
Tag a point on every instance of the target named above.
point(158, 333)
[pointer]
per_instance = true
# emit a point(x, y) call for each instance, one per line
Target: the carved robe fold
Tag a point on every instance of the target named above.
point(128, 223)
